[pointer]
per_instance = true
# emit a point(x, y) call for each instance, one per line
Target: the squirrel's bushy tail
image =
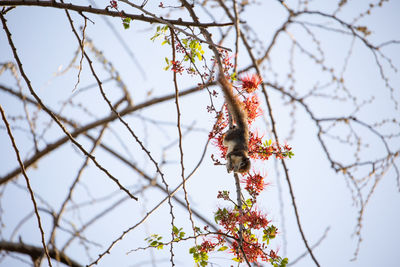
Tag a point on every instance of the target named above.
point(239, 115)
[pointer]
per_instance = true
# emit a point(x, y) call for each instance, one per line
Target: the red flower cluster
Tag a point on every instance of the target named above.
point(179, 48)
point(253, 251)
point(226, 61)
point(227, 219)
point(252, 220)
point(177, 67)
point(262, 151)
point(217, 134)
point(252, 106)
point(114, 4)
point(254, 184)
point(207, 246)
point(250, 83)
point(223, 194)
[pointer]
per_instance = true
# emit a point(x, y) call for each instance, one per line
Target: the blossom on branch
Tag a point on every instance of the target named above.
point(251, 82)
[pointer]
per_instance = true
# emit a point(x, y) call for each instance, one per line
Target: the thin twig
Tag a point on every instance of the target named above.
point(29, 162)
point(82, 46)
point(178, 125)
point(293, 262)
point(76, 180)
point(171, 194)
point(26, 176)
point(240, 208)
point(54, 117)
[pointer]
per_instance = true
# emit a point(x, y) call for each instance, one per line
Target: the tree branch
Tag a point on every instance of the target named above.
point(35, 252)
point(106, 12)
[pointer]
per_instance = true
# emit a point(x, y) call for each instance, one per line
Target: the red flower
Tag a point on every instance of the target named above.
point(256, 149)
point(207, 246)
point(250, 82)
point(254, 219)
point(252, 107)
point(254, 184)
point(177, 67)
point(114, 4)
point(251, 247)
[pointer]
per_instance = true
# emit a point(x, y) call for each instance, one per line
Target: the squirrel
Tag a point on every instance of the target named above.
point(236, 139)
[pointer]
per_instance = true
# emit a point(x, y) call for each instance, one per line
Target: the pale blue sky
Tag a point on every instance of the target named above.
point(46, 43)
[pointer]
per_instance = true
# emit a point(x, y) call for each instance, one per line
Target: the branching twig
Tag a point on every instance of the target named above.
point(26, 177)
point(29, 162)
point(67, 133)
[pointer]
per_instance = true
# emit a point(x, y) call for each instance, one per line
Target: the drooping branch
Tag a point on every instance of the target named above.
point(35, 252)
point(49, 148)
point(107, 12)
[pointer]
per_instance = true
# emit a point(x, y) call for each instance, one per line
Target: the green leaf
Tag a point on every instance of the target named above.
point(284, 262)
point(223, 248)
point(126, 23)
point(175, 230)
point(236, 259)
point(249, 202)
point(199, 56)
point(196, 257)
point(182, 235)
point(191, 45)
point(203, 256)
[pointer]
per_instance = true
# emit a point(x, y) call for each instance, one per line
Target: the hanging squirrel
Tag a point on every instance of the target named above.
point(236, 139)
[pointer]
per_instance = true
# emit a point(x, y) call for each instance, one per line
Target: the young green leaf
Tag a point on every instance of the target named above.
point(223, 248)
point(126, 23)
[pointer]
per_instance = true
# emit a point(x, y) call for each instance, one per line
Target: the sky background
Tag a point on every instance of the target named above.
point(46, 45)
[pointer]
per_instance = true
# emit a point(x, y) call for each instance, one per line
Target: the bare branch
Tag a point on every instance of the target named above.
point(35, 252)
point(107, 12)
